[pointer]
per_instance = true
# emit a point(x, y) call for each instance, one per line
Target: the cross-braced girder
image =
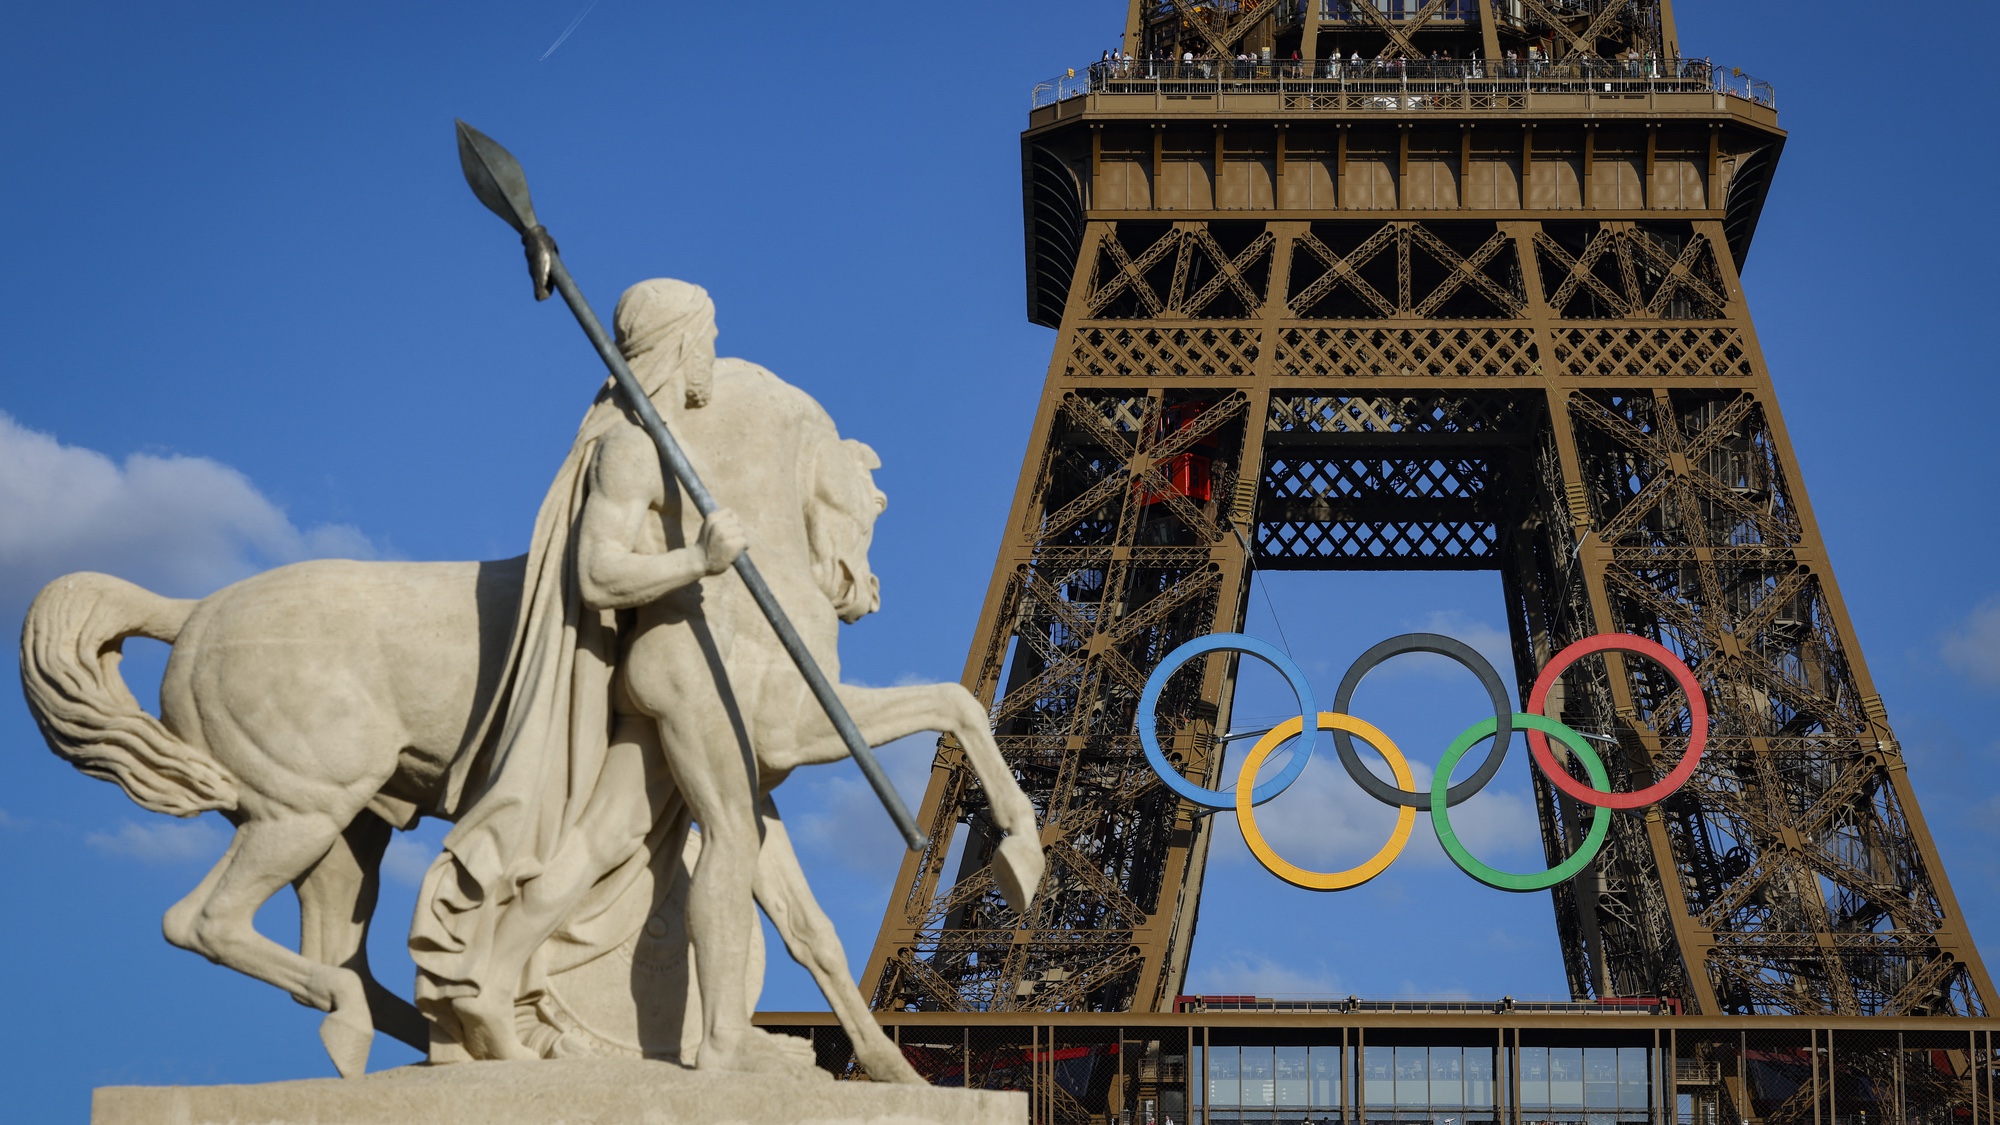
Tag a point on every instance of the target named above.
point(1395, 29)
point(1566, 390)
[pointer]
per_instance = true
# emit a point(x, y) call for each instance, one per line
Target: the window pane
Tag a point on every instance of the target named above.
point(1534, 1078)
point(1223, 1088)
point(1478, 1076)
point(1200, 1083)
point(1600, 1077)
point(1378, 1077)
point(1293, 1077)
point(1566, 1078)
point(1634, 1078)
point(1447, 1076)
point(1258, 1076)
point(1412, 1077)
point(1326, 1078)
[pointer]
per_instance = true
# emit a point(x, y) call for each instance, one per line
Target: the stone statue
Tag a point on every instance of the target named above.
point(571, 710)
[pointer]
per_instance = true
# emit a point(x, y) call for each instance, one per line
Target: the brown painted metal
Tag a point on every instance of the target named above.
point(1091, 1068)
point(1493, 326)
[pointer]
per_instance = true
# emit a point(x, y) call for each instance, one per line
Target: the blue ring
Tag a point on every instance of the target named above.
point(1149, 701)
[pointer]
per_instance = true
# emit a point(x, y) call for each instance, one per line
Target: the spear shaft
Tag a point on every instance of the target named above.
point(496, 178)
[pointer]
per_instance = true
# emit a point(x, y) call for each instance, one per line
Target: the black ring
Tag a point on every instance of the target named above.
point(1438, 645)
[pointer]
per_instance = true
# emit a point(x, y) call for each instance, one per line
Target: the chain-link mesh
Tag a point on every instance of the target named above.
point(1083, 1068)
point(1708, 1079)
point(937, 1053)
point(1781, 1076)
point(1937, 1077)
point(1863, 1087)
point(1001, 1058)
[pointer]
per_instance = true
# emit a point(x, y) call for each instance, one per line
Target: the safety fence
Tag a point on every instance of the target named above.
point(1516, 1070)
point(1405, 84)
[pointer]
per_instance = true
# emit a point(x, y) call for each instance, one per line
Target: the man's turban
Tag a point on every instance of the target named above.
point(664, 315)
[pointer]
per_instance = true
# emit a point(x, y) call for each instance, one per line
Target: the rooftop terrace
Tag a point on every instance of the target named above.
point(1394, 84)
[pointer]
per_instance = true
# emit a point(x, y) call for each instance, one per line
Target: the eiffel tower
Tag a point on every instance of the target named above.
point(1437, 285)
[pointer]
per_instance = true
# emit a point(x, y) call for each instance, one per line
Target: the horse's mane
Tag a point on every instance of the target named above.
point(818, 445)
point(808, 411)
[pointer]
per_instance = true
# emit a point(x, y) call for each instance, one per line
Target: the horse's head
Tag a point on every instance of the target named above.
point(841, 507)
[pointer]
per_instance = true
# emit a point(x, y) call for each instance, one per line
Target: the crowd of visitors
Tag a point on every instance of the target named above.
point(1532, 64)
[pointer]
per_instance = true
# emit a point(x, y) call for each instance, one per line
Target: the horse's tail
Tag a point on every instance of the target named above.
point(70, 648)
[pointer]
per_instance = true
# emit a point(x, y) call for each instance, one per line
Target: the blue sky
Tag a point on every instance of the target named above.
point(251, 315)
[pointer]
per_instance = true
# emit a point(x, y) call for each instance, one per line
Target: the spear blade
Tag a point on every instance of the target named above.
point(496, 178)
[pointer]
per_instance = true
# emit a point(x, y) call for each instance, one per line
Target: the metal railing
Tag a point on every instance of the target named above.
point(1433, 83)
point(1418, 1006)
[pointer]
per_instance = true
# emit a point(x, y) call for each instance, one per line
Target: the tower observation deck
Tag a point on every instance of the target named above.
point(1437, 285)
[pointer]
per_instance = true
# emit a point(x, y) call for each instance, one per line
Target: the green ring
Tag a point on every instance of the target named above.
point(1600, 817)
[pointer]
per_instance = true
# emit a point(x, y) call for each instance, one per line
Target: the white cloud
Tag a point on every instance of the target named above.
point(1986, 815)
point(1410, 990)
point(408, 858)
point(1488, 640)
point(183, 525)
point(1325, 822)
point(1247, 973)
point(1973, 650)
point(164, 841)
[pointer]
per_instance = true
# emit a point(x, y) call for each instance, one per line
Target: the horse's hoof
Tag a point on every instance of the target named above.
point(347, 1039)
point(1018, 869)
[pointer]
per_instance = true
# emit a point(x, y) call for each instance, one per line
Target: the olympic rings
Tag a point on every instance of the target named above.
point(1503, 710)
point(1442, 795)
point(1600, 817)
point(1324, 880)
point(1149, 701)
point(1697, 722)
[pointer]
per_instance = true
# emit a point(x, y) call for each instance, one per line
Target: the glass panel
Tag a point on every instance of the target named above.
point(1534, 1078)
point(1600, 1077)
point(1566, 1078)
point(1223, 1088)
point(1634, 1078)
point(1258, 1077)
point(1378, 1077)
point(1412, 1077)
point(1173, 1086)
point(1447, 1077)
point(1478, 1076)
point(1293, 1077)
point(1326, 1078)
point(1199, 1086)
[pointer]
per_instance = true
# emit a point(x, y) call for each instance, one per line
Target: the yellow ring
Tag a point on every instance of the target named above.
point(1246, 779)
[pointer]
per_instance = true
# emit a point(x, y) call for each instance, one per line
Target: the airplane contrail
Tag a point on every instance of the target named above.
point(573, 24)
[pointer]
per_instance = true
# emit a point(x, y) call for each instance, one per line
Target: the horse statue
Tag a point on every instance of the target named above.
point(319, 706)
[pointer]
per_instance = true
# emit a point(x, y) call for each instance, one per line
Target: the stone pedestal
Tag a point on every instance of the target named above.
point(560, 1092)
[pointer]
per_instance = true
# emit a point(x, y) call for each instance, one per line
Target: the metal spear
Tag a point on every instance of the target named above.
point(497, 179)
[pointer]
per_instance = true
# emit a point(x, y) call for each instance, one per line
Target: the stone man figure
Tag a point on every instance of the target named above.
point(578, 784)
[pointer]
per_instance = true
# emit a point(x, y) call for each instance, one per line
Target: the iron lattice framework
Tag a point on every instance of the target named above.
point(1316, 322)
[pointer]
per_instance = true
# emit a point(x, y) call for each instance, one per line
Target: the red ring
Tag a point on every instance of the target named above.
point(1538, 743)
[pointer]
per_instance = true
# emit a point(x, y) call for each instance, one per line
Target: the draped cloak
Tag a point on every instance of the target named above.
point(523, 781)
